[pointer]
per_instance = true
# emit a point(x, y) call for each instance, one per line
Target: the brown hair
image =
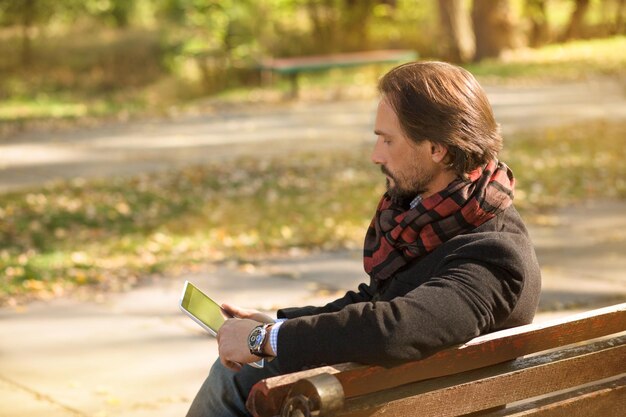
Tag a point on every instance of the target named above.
point(444, 103)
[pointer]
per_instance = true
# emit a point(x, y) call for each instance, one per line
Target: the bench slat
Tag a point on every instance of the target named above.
point(322, 62)
point(497, 385)
point(490, 349)
point(606, 399)
point(483, 351)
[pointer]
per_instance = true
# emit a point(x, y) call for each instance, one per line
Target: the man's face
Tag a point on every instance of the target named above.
point(408, 165)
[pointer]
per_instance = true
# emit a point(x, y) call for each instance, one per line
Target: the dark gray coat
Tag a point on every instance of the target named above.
point(478, 282)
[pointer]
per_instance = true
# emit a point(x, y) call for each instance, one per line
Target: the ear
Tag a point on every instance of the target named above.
point(438, 152)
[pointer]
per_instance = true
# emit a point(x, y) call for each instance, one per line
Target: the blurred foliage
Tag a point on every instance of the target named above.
point(102, 47)
point(109, 233)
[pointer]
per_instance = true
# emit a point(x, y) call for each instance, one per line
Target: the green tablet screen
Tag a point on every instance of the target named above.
point(203, 308)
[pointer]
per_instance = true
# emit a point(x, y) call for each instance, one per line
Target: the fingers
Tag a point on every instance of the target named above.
point(235, 311)
point(231, 343)
point(233, 366)
point(246, 313)
point(222, 352)
point(225, 329)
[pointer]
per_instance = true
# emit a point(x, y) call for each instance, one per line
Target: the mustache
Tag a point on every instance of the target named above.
point(385, 171)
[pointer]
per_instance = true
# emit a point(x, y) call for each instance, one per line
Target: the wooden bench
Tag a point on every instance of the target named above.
point(292, 67)
point(567, 367)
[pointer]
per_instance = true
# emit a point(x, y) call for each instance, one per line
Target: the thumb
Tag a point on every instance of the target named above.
point(246, 313)
point(234, 310)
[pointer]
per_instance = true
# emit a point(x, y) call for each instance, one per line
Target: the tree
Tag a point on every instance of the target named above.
point(324, 18)
point(458, 46)
point(355, 18)
point(576, 20)
point(539, 28)
point(619, 17)
point(22, 14)
point(25, 14)
point(121, 11)
point(340, 25)
point(493, 27)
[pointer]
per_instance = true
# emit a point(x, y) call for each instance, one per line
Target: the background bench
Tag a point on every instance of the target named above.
point(527, 367)
point(292, 67)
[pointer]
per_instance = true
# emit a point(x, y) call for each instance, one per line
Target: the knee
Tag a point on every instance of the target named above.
point(224, 392)
point(215, 394)
point(219, 372)
point(219, 382)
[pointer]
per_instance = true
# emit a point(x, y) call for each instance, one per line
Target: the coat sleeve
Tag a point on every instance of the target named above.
point(364, 294)
point(466, 297)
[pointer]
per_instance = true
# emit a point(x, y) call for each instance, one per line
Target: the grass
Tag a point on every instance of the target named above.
point(578, 60)
point(110, 233)
point(559, 166)
point(56, 106)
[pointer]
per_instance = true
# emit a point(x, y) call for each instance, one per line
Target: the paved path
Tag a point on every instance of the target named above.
point(31, 159)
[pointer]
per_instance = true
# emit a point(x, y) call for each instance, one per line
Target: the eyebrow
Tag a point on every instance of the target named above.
point(381, 133)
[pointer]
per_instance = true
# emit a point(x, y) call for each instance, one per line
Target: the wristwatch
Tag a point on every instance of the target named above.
point(258, 338)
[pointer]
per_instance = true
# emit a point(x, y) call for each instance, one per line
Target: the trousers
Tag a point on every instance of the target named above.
point(224, 392)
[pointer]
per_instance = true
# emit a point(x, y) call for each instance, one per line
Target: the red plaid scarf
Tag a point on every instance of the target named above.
point(397, 236)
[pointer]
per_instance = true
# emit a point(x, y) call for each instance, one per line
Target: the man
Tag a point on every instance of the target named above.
point(447, 254)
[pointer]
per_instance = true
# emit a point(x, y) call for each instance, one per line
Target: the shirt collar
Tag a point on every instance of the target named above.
point(415, 201)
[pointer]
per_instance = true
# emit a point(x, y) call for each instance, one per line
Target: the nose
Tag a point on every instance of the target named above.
point(377, 156)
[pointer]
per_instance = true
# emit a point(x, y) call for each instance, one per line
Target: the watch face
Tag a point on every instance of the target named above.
point(255, 338)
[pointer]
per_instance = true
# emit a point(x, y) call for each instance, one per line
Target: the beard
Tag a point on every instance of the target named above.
point(407, 185)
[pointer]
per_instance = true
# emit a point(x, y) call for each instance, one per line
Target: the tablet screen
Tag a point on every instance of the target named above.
point(203, 308)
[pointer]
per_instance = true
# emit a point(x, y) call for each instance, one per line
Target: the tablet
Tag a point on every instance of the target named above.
point(204, 311)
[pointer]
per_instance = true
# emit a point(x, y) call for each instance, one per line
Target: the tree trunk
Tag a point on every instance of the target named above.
point(120, 12)
point(493, 27)
point(539, 27)
point(28, 17)
point(323, 19)
point(619, 17)
point(455, 28)
point(576, 21)
point(355, 18)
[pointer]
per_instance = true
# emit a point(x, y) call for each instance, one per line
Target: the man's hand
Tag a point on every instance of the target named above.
point(244, 313)
point(232, 340)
